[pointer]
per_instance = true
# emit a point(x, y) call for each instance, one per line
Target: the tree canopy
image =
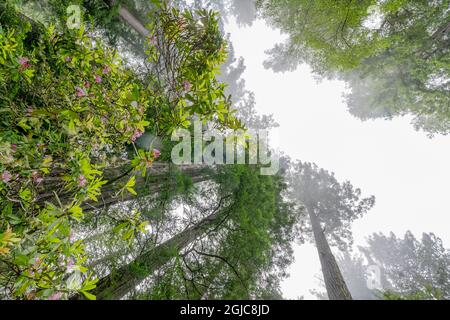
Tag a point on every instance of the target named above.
point(393, 54)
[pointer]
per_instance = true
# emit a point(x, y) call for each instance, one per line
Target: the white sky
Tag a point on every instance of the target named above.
point(407, 172)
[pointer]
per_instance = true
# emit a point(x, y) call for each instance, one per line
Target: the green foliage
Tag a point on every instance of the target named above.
point(186, 50)
point(64, 101)
point(254, 218)
point(336, 204)
point(393, 54)
point(327, 35)
point(128, 228)
point(427, 294)
point(417, 269)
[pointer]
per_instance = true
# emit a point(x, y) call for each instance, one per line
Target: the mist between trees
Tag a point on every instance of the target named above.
point(96, 200)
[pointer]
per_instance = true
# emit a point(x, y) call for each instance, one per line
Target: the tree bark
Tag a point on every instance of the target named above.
point(142, 188)
point(117, 284)
point(334, 281)
point(116, 178)
point(130, 19)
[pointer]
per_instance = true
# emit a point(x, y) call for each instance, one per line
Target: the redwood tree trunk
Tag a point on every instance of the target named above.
point(142, 188)
point(117, 178)
point(334, 282)
point(117, 284)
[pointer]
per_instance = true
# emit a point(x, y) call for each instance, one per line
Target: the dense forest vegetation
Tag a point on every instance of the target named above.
point(92, 205)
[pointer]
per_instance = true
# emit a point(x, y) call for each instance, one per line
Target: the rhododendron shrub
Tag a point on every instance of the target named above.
point(185, 52)
point(67, 105)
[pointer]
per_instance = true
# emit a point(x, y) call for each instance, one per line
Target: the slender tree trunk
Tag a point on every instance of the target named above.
point(334, 282)
point(117, 284)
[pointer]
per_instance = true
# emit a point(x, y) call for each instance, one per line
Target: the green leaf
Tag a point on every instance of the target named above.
point(76, 213)
point(130, 184)
point(120, 227)
point(88, 295)
point(132, 191)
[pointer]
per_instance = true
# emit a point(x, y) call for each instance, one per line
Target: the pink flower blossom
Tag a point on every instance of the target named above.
point(87, 84)
point(24, 63)
point(70, 264)
point(106, 69)
point(80, 92)
point(187, 85)
point(156, 153)
point(136, 135)
point(29, 111)
point(6, 177)
point(55, 296)
point(36, 178)
point(82, 181)
point(68, 59)
point(153, 40)
point(98, 79)
point(14, 147)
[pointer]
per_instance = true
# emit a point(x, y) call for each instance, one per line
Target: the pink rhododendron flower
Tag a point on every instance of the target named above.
point(70, 264)
point(55, 296)
point(153, 40)
point(36, 178)
point(98, 79)
point(24, 63)
point(82, 181)
point(187, 85)
point(36, 264)
point(156, 153)
point(106, 70)
point(138, 133)
point(80, 92)
point(6, 177)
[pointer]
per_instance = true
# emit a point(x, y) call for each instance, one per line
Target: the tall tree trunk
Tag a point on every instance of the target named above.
point(117, 284)
point(334, 282)
point(116, 178)
point(130, 19)
point(143, 189)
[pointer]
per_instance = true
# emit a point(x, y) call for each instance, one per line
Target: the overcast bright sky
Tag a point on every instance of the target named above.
point(407, 172)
